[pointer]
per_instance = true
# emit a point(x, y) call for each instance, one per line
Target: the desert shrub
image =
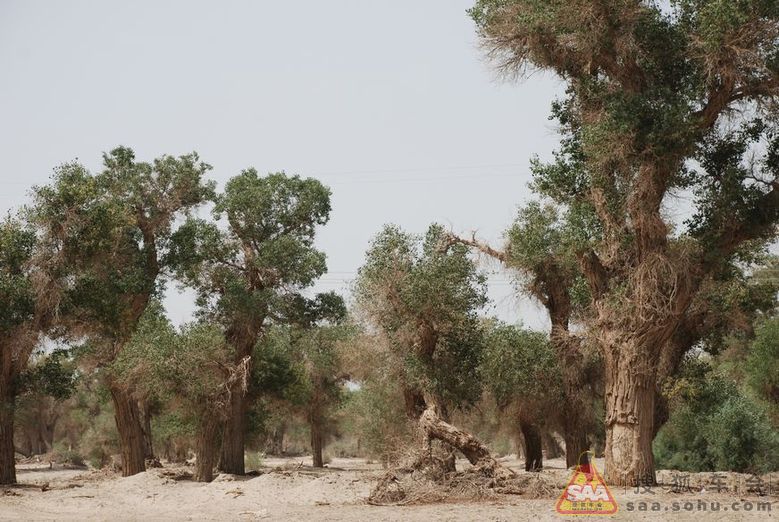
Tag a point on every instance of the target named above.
point(762, 366)
point(380, 421)
point(714, 425)
point(69, 456)
point(254, 460)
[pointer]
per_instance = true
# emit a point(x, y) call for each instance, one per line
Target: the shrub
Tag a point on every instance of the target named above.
point(715, 426)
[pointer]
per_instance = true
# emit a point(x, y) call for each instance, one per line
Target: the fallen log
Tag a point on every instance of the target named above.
point(472, 448)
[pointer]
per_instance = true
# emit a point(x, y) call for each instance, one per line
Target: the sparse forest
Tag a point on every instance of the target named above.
point(662, 352)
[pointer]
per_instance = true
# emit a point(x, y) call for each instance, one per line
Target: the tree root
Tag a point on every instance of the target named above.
point(427, 478)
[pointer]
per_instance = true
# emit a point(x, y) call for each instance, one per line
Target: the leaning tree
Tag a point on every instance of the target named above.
point(106, 236)
point(246, 272)
point(661, 99)
point(422, 294)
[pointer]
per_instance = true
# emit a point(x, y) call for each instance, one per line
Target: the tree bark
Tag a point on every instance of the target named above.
point(415, 403)
point(576, 444)
point(316, 444)
point(128, 424)
point(7, 402)
point(231, 459)
point(533, 450)
point(206, 447)
point(630, 411)
point(148, 446)
point(473, 449)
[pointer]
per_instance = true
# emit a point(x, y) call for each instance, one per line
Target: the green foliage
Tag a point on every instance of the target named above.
point(106, 235)
point(650, 93)
point(243, 274)
point(520, 365)
point(423, 295)
point(379, 420)
point(193, 364)
point(714, 426)
point(53, 374)
point(762, 365)
point(17, 299)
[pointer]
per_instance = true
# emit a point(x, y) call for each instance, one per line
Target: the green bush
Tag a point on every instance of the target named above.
point(715, 426)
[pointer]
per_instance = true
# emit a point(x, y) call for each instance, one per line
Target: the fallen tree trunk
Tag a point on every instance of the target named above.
point(473, 449)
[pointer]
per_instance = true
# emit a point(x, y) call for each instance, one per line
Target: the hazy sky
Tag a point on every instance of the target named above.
point(390, 103)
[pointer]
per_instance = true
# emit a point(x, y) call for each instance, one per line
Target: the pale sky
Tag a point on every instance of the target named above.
point(390, 103)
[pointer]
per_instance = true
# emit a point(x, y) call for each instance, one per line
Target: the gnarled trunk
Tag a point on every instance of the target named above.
point(630, 411)
point(129, 425)
point(231, 459)
point(414, 401)
point(533, 450)
point(7, 462)
point(206, 447)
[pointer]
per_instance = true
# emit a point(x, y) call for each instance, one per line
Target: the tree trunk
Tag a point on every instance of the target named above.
point(7, 462)
point(148, 446)
point(206, 447)
point(533, 450)
point(414, 401)
point(128, 424)
point(576, 444)
point(231, 459)
point(316, 444)
point(276, 446)
point(553, 449)
point(630, 411)
point(473, 449)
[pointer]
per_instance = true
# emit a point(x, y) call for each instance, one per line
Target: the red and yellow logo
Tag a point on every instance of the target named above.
point(586, 493)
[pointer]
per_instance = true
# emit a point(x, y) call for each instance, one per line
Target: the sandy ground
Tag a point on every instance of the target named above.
point(289, 489)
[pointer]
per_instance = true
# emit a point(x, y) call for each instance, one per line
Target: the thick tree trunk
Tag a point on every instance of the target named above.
point(206, 447)
point(128, 424)
point(7, 462)
point(576, 444)
point(231, 459)
point(415, 404)
point(316, 444)
point(630, 411)
point(473, 449)
point(533, 450)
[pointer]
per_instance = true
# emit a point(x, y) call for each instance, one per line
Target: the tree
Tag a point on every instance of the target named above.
point(522, 372)
point(196, 366)
point(246, 274)
point(422, 294)
point(25, 314)
point(541, 248)
point(319, 390)
point(49, 379)
point(659, 100)
point(106, 237)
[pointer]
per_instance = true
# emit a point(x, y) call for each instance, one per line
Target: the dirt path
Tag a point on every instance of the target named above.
point(288, 489)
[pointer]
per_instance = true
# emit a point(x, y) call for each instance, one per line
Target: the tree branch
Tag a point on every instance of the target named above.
point(451, 239)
